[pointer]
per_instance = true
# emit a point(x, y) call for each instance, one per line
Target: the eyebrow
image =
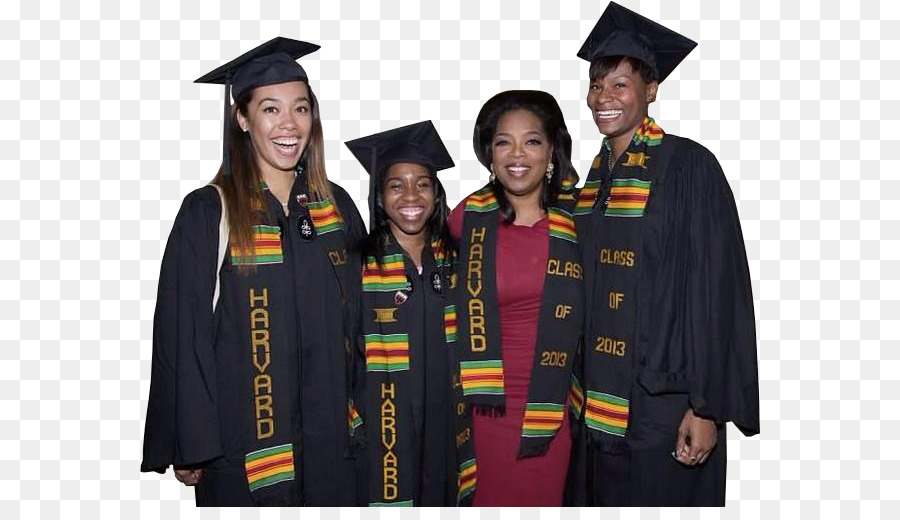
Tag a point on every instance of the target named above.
point(530, 132)
point(611, 77)
point(400, 179)
point(273, 100)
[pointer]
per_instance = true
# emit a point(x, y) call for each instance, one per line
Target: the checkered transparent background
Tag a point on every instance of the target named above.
point(103, 132)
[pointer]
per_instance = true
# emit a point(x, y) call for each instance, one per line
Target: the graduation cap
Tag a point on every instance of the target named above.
point(418, 143)
point(268, 64)
point(623, 32)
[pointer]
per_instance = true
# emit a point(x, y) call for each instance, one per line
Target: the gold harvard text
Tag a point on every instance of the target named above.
point(389, 471)
point(477, 341)
point(259, 351)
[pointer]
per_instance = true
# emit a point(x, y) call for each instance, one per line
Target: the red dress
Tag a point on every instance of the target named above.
point(503, 479)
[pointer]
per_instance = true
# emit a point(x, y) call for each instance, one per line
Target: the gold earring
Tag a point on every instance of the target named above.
point(550, 168)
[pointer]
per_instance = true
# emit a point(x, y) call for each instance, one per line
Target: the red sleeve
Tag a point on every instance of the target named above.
point(456, 219)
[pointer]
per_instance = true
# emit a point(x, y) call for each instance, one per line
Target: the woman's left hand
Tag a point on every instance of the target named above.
point(188, 477)
point(696, 439)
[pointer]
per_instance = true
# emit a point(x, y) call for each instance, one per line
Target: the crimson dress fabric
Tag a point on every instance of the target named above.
point(504, 480)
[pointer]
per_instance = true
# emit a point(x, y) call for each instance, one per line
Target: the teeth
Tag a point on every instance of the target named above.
point(411, 212)
point(286, 141)
point(609, 113)
point(517, 169)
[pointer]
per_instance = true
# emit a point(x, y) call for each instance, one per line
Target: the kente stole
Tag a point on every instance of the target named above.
point(612, 277)
point(559, 320)
point(391, 386)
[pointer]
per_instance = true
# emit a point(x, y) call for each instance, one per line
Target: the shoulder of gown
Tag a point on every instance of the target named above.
point(354, 226)
point(455, 219)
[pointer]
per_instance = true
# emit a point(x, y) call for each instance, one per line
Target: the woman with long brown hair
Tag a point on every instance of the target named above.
point(252, 377)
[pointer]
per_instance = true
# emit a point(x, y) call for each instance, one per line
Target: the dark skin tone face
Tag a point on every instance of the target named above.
point(619, 102)
point(407, 193)
point(521, 153)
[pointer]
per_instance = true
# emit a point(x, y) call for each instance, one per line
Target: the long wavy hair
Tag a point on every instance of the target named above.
point(546, 109)
point(241, 187)
point(437, 229)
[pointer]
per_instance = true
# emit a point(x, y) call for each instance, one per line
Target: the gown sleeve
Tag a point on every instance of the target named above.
point(720, 322)
point(356, 234)
point(182, 419)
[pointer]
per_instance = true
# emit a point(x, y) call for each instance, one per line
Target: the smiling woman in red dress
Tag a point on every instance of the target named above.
point(520, 307)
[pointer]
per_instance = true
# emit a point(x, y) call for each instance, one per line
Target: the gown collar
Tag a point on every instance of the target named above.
point(649, 133)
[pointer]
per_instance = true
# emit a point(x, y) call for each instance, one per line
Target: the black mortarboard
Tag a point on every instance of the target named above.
point(623, 32)
point(268, 64)
point(418, 143)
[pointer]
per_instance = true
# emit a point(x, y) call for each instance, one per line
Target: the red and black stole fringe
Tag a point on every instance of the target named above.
point(392, 383)
point(559, 321)
point(610, 273)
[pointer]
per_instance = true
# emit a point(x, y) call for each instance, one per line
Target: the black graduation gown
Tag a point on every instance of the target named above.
point(691, 327)
point(205, 408)
point(427, 417)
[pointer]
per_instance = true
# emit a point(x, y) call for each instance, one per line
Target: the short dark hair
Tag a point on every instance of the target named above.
point(606, 64)
point(547, 110)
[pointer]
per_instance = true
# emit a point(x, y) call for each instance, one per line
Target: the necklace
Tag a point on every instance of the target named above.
point(610, 164)
point(284, 204)
point(609, 167)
